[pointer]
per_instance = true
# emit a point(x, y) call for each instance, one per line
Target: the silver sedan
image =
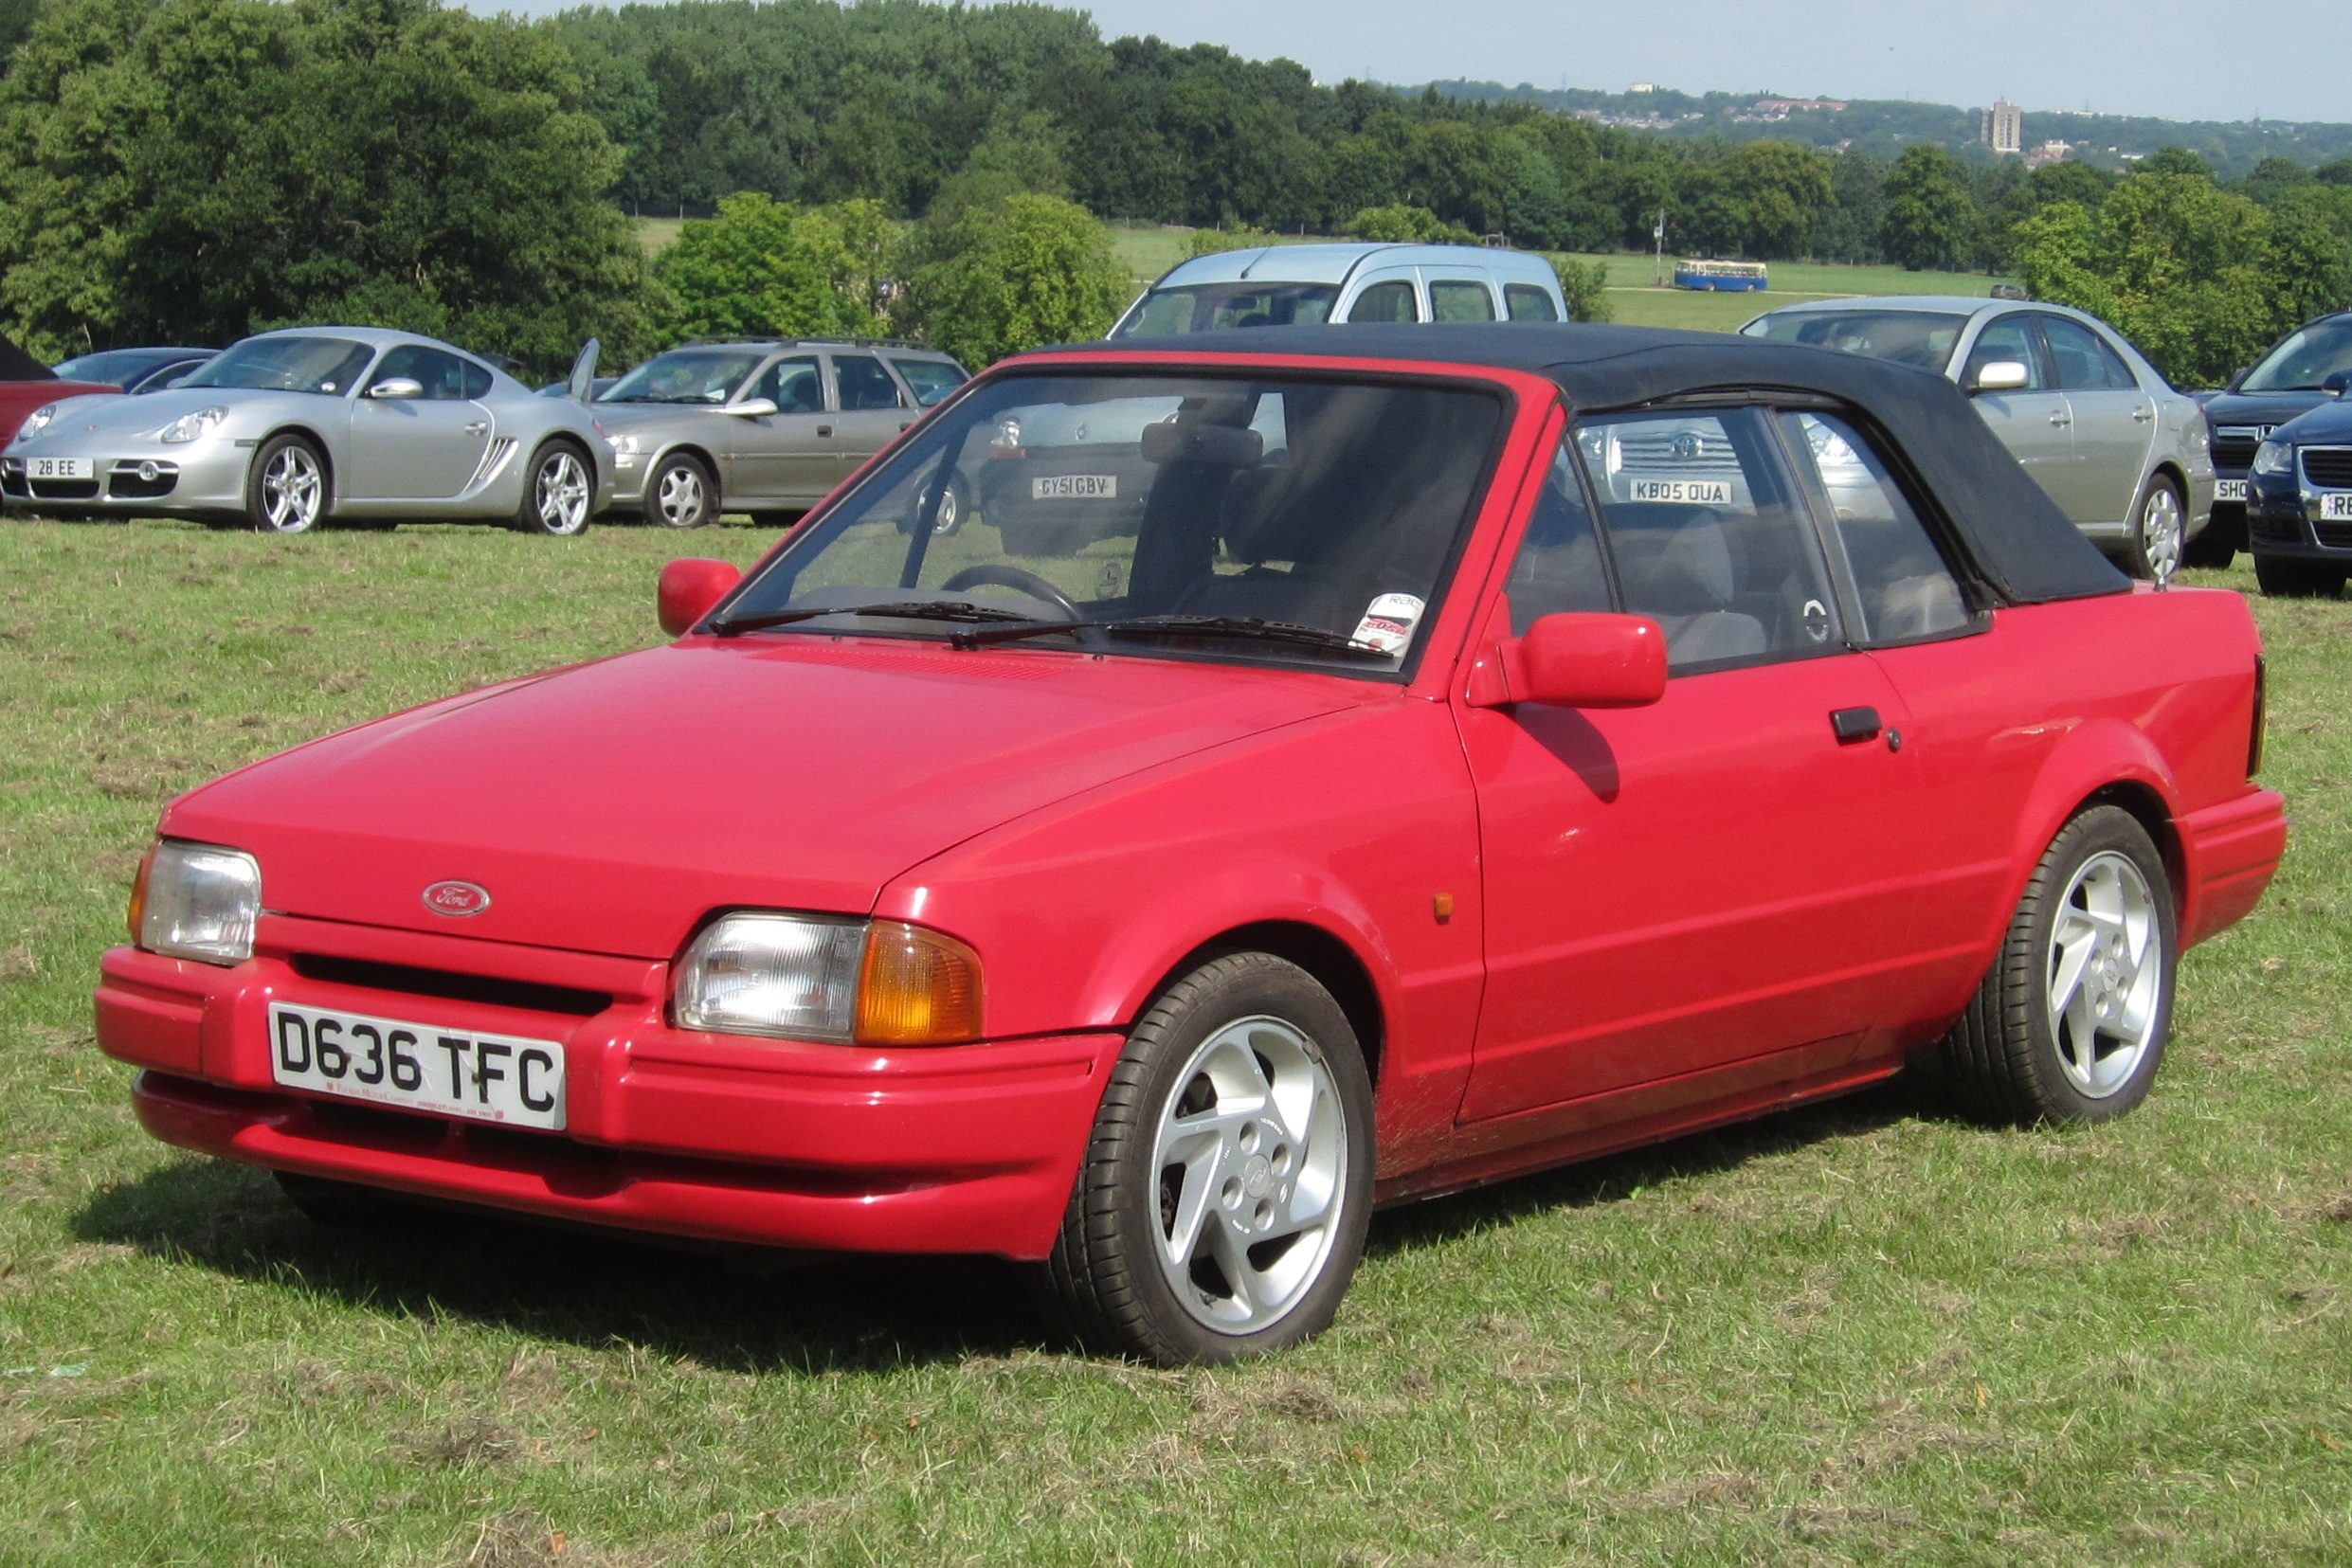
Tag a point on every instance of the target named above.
point(314, 424)
point(2125, 456)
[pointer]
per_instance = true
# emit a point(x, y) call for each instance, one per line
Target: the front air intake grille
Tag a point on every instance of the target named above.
point(2235, 448)
point(2329, 468)
point(451, 987)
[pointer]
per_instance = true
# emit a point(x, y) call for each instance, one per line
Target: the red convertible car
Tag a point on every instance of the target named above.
point(1492, 746)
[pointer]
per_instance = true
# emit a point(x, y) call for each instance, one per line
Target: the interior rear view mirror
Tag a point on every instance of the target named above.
point(1214, 445)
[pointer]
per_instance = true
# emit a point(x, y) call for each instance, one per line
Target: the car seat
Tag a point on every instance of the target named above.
point(1675, 565)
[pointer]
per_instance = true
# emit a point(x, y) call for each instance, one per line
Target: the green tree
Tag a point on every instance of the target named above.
point(1398, 223)
point(1930, 221)
point(1216, 242)
point(999, 279)
point(1585, 285)
point(747, 273)
point(858, 248)
point(1784, 188)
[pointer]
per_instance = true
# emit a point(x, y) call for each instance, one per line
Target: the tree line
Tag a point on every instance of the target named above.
point(191, 170)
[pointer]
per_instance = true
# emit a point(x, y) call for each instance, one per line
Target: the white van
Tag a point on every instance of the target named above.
point(1286, 285)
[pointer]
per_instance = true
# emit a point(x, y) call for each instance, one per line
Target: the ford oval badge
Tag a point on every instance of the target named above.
point(457, 899)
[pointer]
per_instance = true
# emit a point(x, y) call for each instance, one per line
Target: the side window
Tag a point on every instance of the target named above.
point(1557, 568)
point(792, 385)
point(477, 380)
point(931, 379)
point(863, 384)
point(1389, 301)
point(1530, 303)
point(442, 376)
point(2012, 337)
point(1710, 537)
point(1903, 590)
point(1459, 300)
point(2084, 363)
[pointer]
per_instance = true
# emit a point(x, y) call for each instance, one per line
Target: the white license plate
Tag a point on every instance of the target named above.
point(1682, 491)
point(418, 1066)
point(2228, 490)
point(2336, 508)
point(1074, 487)
point(59, 468)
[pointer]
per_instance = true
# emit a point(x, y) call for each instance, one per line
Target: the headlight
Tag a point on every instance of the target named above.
point(822, 978)
point(189, 426)
point(2275, 457)
point(623, 446)
point(38, 419)
point(196, 901)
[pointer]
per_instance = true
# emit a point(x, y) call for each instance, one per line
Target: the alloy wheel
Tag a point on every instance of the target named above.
point(562, 498)
point(292, 488)
point(2106, 973)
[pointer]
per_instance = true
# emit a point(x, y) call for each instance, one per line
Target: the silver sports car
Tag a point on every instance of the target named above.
point(291, 429)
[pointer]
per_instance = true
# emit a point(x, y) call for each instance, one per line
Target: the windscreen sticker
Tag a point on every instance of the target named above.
point(1388, 621)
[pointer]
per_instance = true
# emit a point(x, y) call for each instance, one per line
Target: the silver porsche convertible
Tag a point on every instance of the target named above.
point(291, 429)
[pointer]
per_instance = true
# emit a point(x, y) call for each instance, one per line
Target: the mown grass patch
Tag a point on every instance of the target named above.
point(1848, 1333)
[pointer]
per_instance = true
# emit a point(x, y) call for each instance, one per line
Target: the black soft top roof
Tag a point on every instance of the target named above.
point(16, 365)
point(2021, 546)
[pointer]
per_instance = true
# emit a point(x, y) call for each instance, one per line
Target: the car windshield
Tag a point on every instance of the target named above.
point(1209, 307)
point(1922, 339)
point(327, 366)
point(119, 366)
point(1221, 518)
point(2305, 359)
point(687, 375)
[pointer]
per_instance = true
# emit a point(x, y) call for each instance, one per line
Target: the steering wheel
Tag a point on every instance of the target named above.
point(995, 574)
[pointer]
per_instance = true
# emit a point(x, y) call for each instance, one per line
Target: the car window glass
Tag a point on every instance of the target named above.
point(1530, 303)
point(689, 375)
point(2010, 339)
point(792, 385)
point(2305, 358)
point(862, 383)
point(1388, 301)
point(1459, 300)
point(1708, 536)
point(1904, 590)
point(1558, 569)
point(1922, 339)
point(931, 379)
point(327, 365)
point(442, 376)
point(2082, 361)
point(477, 379)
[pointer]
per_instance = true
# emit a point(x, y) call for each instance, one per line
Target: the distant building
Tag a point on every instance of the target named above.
point(2047, 153)
point(1798, 105)
point(1644, 88)
point(2002, 128)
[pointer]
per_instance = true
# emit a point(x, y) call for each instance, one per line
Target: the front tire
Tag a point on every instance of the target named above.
point(682, 494)
point(2158, 525)
point(286, 489)
point(2069, 1025)
point(1222, 1207)
point(2284, 579)
point(559, 491)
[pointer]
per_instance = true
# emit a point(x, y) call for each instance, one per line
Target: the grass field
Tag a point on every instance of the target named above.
point(1844, 1334)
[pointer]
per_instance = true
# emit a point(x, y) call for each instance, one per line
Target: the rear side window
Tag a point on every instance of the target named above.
point(931, 379)
point(1710, 537)
point(2084, 363)
point(862, 383)
point(1389, 301)
point(1459, 300)
point(1903, 591)
point(1528, 303)
point(477, 379)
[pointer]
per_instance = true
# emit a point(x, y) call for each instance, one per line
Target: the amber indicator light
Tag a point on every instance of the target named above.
point(138, 890)
point(917, 987)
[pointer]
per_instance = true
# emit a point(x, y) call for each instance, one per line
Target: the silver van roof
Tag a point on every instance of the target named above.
point(1336, 263)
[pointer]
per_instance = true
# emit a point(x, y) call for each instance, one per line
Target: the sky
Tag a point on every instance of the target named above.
point(2288, 59)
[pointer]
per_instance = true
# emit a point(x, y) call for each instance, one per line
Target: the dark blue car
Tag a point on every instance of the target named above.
point(2290, 378)
point(2298, 503)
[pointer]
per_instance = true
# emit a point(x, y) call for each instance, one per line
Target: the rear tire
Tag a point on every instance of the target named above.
point(2071, 1022)
point(286, 489)
point(2284, 578)
point(559, 491)
point(2152, 547)
point(1222, 1207)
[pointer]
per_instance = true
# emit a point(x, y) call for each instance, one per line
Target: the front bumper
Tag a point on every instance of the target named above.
point(199, 478)
point(2286, 518)
point(964, 1149)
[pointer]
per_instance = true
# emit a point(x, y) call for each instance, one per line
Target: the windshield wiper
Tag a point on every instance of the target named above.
point(1183, 626)
point(915, 610)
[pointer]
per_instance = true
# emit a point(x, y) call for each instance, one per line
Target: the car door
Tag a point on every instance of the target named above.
point(790, 456)
point(422, 448)
point(2033, 420)
point(1389, 294)
point(2114, 421)
point(873, 407)
point(1713, 880)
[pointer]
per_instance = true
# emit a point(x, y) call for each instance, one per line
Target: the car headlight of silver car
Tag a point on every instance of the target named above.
point(623, 446)
point(2275, 457)
point(38, 419)
point(190, 426)
point(828, 979)
point(196, 901)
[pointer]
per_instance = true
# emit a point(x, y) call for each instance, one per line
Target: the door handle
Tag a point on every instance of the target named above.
point(2061, 418)
point(2143, 415)
point(824, 429)
point(476, 427)
point(1854, 724)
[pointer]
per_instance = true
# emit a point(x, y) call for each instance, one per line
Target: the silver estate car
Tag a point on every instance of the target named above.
point(291, 429)
point(767, 428)
point(2125, 456)
point(1308, 285)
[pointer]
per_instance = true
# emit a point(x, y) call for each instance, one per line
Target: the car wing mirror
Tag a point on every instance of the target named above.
point(750, 407)
point(397, 387)
point(1580, 661)
point(2001, 376)
point(2335, 382)
point(689, 588)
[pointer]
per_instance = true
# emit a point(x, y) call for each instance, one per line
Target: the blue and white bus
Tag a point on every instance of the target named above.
point(1721, 276)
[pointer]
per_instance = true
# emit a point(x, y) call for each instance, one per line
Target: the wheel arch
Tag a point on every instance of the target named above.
point(318, 445)
point(1333, 964)
point(2110, 763)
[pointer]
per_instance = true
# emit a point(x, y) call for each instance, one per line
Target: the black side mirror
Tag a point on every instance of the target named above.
point(2335, 382)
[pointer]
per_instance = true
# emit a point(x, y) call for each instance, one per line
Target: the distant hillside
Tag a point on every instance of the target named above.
point(1884, 127)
